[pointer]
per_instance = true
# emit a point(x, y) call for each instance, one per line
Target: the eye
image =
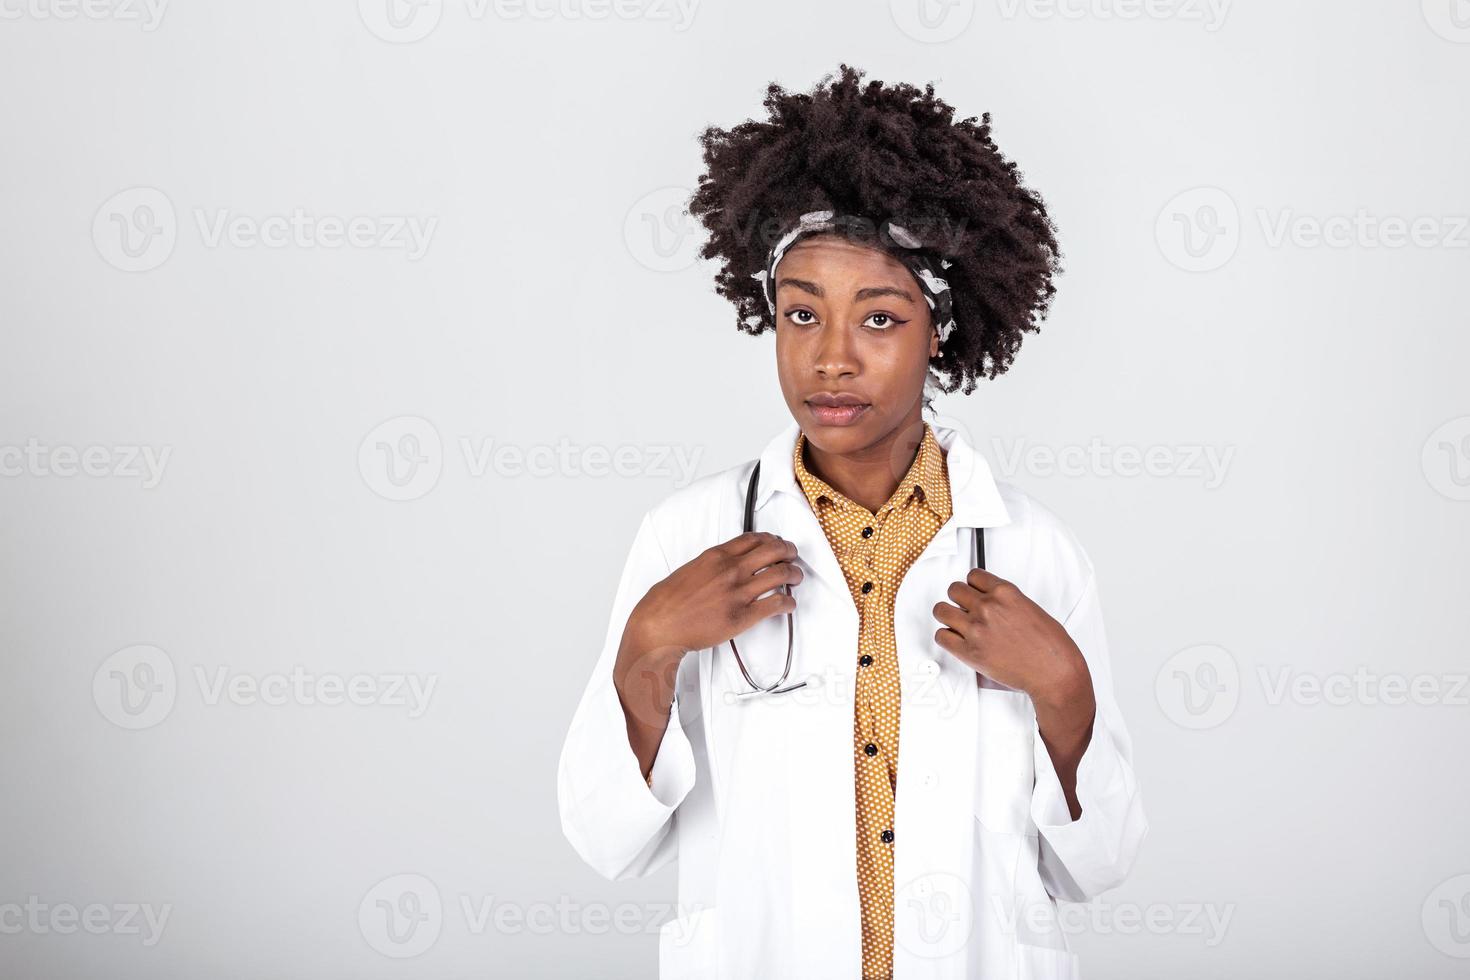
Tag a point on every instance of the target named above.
point(791, 314)
point(884, 321)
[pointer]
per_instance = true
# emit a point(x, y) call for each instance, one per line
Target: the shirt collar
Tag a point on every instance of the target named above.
point(926, 475)
point(975, 498)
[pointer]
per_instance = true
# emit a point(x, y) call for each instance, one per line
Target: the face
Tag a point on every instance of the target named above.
point(853, 343)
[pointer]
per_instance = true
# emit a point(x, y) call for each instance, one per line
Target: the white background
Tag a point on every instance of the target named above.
point(544, 148)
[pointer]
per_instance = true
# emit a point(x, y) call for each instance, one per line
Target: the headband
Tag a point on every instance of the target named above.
point(924, 265)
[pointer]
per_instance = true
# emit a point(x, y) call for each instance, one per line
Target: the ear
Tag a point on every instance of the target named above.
point(934, 344)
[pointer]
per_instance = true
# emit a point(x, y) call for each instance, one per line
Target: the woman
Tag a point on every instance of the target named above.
point(745, 713)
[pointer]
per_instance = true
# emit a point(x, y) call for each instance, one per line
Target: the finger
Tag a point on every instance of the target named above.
point(766, 553)
point(744, 544)
point(950, 641)
point(964, 595)
point(771, 605)
point(771, 577)
point(984, 581)
point(952, 616)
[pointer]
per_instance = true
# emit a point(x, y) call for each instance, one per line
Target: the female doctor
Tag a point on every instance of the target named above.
point(779, 625)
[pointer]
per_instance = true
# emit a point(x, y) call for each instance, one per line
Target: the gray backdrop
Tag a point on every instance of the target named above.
point(344, 348)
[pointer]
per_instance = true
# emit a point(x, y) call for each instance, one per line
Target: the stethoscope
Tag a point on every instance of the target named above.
point(776, 688)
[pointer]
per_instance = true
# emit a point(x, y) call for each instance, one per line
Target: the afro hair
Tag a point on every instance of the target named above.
point(884, 152)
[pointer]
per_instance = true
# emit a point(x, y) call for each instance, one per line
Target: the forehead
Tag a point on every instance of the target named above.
point(831, 256)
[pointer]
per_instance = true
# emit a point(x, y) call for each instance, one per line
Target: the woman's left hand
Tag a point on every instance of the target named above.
point(992, 627)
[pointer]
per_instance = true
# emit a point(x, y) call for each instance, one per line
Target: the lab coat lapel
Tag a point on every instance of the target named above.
point(783, 509)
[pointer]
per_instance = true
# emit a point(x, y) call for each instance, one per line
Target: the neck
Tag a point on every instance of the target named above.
point(870, 475)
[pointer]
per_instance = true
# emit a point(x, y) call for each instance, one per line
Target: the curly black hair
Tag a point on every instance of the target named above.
point(883, 151)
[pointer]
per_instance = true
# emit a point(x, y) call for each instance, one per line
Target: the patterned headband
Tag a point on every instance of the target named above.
point(909, 251)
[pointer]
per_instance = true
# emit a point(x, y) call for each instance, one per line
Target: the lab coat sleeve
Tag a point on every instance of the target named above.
point(619, 823)
point(1084, 857)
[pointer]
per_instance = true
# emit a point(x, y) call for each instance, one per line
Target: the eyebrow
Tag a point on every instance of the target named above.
point(868, 292)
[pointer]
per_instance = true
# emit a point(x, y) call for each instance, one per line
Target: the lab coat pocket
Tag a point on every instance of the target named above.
point(688, 946)
point(1007, 771)
point(1046, 963)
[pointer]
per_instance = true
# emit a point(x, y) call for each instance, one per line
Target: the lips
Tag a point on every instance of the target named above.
point(837, 407)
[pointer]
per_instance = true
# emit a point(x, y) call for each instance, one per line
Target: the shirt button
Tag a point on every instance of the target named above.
point(867, 587)
point(871, 749)
point(865, 660)
point(886, 837)
point(867, 532)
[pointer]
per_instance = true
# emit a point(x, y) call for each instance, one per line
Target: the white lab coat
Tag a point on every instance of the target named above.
point(755, 798)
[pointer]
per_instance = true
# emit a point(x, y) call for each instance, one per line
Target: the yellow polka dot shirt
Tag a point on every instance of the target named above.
point(875, 550)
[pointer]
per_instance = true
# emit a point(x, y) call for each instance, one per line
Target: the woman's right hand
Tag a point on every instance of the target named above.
point(717, 595)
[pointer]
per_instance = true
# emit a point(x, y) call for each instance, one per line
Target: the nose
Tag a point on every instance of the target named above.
point(836, 352)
